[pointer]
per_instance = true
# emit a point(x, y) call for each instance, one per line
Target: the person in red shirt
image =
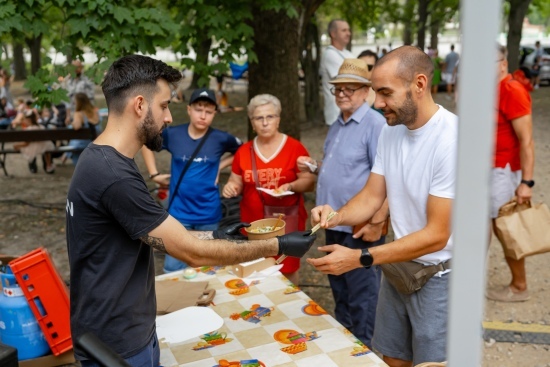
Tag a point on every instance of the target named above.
point(275, 156)
point(513, 168)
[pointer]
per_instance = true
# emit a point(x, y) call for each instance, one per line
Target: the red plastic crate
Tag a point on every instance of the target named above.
point(40, 280)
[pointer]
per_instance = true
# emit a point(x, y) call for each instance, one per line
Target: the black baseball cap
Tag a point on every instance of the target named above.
point(204, 94)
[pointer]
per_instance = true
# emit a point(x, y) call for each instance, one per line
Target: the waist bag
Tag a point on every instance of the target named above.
point(409, 276)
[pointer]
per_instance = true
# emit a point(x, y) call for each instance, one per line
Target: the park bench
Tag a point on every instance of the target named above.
point(59, 134)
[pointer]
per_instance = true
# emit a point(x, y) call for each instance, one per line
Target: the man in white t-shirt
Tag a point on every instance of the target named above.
point(415, 169)
point(333, 57)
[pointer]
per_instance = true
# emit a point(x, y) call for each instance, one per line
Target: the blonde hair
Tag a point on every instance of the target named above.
point(261, 100)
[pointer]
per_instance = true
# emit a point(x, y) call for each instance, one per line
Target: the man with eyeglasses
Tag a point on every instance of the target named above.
point(349, 154)
point(333, 56)
point(196, 202)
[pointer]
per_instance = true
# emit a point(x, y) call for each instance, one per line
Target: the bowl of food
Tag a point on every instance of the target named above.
point(264, 228)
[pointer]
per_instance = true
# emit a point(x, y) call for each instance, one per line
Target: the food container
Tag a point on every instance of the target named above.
point(262, 223)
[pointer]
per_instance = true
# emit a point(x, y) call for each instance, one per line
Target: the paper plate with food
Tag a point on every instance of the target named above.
point(276, 192)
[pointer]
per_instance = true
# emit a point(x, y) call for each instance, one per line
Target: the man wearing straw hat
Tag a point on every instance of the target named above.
point(415, 171)
point(349, 153)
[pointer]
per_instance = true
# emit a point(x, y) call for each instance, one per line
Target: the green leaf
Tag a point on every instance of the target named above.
point(121, 14)
point(78, 26)
point(6, 10)
point(142, 13)
point(35, 85)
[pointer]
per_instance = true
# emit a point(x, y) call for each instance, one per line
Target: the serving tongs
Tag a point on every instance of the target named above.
point(313, 230)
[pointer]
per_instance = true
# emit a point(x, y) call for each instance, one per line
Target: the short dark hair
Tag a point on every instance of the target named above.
point(135, 74)
point(368, 53)
point(412, 61)
point(452, 47)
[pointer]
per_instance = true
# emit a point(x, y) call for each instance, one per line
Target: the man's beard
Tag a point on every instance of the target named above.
point(149, 133)
point(406, 114)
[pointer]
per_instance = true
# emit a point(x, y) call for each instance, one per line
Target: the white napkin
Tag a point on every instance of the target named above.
point(259, 275)
point(312, 167)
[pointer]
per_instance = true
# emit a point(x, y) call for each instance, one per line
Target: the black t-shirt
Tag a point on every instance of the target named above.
point(112, 272)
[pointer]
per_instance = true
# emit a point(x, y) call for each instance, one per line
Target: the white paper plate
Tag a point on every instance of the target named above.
point(275, 194)
point(187, 323)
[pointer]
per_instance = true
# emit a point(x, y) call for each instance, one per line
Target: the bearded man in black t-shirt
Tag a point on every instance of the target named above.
point(113, 223)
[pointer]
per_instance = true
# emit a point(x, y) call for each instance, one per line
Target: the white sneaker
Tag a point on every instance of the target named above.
point(536, 86)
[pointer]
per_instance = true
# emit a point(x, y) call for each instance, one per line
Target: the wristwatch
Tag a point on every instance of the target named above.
point(529, 183)
point(154, 175)
point(366, 258)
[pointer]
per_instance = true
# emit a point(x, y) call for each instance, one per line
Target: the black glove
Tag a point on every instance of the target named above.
point(231, 232)
point(295, 244)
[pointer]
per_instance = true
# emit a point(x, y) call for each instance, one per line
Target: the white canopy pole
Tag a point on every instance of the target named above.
point(476, 111)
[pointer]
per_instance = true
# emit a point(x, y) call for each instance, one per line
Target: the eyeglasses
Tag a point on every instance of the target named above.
point(370, 66)
point(268, 118)
point(348, 92)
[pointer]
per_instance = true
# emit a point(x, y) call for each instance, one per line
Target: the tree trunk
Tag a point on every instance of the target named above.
point(20, 69)
point(407, 34)
point(6, 50)
point(518, 10)
point(348, 46)
point(310, 64)
point(407, 22)
point(434, 33)
point(276, 44)
point(310, 59)
point(199, 72)
point(422, 20)
point(34, 45)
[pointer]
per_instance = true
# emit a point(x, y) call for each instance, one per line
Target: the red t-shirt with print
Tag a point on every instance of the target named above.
point(273, 172)
point(514, 102)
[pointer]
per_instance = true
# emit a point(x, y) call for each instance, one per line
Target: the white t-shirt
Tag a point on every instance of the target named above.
point(331, 61)
point(415, 164)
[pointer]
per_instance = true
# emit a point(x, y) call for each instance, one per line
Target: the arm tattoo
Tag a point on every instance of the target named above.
point(207, 235)
point(154, 242)
point(202, 235)
point(238, 242)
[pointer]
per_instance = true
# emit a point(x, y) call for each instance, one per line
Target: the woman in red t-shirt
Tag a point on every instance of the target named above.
point(275, 157)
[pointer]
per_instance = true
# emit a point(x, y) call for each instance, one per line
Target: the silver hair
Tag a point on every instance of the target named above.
point(263, 99)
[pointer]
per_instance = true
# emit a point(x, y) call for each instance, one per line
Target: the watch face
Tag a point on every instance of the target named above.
point(366, 258)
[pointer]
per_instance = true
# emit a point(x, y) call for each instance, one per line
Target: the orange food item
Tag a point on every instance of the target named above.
point(295, 348)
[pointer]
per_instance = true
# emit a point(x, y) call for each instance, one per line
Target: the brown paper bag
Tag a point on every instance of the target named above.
point(175, 295)
point(523, 230)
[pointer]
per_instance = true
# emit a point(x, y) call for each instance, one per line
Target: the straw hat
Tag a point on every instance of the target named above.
point(352, 71)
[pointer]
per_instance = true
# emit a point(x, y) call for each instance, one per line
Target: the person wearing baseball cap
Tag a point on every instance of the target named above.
point(195, 202)
point(350, 150)
point(203, 94)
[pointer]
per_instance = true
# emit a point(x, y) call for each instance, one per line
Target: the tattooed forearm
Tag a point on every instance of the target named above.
point(154, 242)
point(202, 235)
point(239, 242)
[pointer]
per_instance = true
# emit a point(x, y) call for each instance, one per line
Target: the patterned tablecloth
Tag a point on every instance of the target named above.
point(269, 323)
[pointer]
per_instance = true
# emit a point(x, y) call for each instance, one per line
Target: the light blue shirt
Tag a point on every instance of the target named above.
point(350, 151)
